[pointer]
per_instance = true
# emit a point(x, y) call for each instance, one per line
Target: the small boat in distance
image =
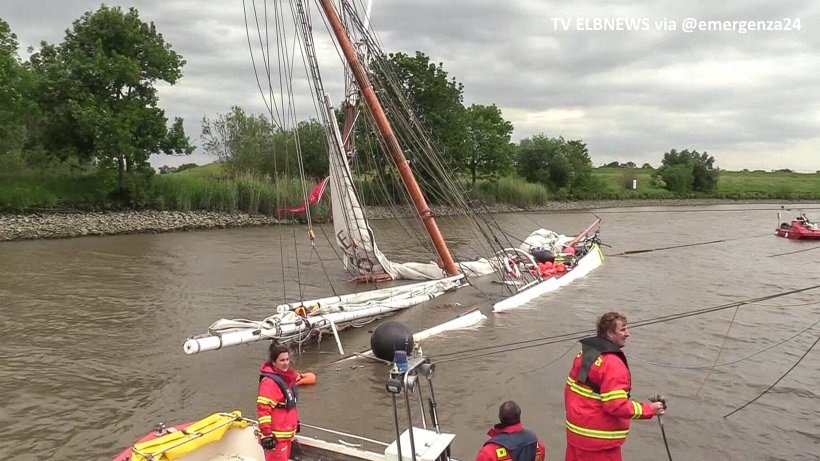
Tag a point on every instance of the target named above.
point(801, 228)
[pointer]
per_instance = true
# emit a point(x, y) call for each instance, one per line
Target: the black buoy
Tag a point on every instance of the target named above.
point(389, 337)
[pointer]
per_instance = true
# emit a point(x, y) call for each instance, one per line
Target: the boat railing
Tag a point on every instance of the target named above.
point(359, 441)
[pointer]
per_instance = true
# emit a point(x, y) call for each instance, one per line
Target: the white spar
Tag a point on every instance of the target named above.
point(227, 333)
point(464, 320)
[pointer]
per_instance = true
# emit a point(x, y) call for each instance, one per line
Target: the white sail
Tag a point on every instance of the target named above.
point(353, 234)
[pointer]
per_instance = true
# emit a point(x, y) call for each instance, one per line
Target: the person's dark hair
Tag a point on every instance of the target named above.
point(608, 322)
point(275, 350)
point(509, 413)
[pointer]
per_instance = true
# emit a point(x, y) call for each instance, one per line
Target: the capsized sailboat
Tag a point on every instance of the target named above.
point(523, 279)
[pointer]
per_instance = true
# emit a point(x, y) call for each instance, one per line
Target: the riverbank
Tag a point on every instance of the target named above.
point(68, 225)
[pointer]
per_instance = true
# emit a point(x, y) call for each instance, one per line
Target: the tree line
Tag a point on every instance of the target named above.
point(89, 105)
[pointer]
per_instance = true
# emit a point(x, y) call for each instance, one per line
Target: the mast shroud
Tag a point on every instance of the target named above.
point(447, 262)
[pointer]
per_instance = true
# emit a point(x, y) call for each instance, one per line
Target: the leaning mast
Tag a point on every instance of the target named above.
point(447, 262)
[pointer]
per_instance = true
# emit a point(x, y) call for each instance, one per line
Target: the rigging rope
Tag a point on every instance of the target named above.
point(725, 364)
point(774, 383)
point(736, 210)
point(574, 336)
point(686, 245)
point(553, 360)
point(795, 252)
point(720, 351)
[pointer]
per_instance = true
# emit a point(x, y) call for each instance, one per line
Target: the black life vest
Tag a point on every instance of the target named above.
point(291, 395)
point(591, 349)
point(521, 445)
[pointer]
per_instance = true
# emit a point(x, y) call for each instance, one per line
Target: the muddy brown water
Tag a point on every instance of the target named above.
point(92, 330)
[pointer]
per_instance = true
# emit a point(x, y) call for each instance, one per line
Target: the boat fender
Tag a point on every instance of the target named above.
point(389, 337)
point(306, 379)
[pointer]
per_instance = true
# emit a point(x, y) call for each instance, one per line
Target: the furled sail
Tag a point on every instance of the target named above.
point(353, 234)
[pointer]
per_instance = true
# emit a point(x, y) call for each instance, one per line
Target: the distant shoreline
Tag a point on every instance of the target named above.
point(53, 225)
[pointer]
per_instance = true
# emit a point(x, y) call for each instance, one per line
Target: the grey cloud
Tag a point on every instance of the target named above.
point(509, 53)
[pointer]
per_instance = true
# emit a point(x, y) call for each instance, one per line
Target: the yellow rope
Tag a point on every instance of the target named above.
point(722, 345)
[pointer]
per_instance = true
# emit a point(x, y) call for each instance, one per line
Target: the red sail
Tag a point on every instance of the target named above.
point(315, 195)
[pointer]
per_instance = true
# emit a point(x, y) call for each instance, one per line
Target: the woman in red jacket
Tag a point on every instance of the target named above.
point(276, 404)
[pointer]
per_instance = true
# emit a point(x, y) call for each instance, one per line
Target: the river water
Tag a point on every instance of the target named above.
point(92, 330)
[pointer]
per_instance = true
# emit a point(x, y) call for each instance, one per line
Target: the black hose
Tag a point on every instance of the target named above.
point(665, 442)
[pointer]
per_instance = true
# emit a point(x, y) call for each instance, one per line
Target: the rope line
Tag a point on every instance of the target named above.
point(686, 245)
point(795, 252)
point(736, 210)
point(774, 383)
point(725, 364)
point(720, 351)
point(574, 336)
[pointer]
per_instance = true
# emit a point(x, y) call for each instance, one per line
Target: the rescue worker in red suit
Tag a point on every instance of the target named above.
point(276, 404)
point(596, 397)
point(509, 441)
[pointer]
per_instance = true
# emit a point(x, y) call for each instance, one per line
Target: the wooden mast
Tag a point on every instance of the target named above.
point(390, 140)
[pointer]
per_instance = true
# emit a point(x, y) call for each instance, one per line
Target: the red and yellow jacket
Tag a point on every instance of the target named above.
point(492, 451)
point(596, 397)
point(271, 405)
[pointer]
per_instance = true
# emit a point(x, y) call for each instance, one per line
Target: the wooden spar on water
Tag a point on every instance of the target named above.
point(584, 233)
point(447, 262)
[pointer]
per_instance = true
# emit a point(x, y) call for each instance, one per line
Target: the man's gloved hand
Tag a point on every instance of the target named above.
point(298, 427)
point(268, 443)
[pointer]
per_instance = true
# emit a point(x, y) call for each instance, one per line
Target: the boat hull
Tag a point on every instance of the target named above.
point(228, 436)
point(588, 263)
point(797, 232)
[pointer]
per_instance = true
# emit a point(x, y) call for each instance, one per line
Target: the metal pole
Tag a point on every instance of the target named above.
point(433, 406)
point(392, 143)
point(421, 406)
point(396, 423)
point(409, 420)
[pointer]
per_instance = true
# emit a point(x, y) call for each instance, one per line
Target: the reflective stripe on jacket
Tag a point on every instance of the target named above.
point(598, 409)
point(274, 417)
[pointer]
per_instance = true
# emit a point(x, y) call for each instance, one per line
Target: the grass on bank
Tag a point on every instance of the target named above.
point(208, 187)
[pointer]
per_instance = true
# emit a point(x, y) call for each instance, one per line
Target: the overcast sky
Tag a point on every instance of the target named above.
point(750, 99)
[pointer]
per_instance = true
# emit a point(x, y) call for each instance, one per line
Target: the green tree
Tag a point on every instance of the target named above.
point(555, 162)
point(249, 144)
point(489, 151)
point(432, 95)
point(686, 171)
point(313, 148)
point(16, 107)
point(100, 83)
point(245, 143)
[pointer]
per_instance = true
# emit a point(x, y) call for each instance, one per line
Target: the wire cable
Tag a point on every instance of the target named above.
point(574, 336)
point(725, 364)
point(774, 383)
point(795, 252)
point(686, 245)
